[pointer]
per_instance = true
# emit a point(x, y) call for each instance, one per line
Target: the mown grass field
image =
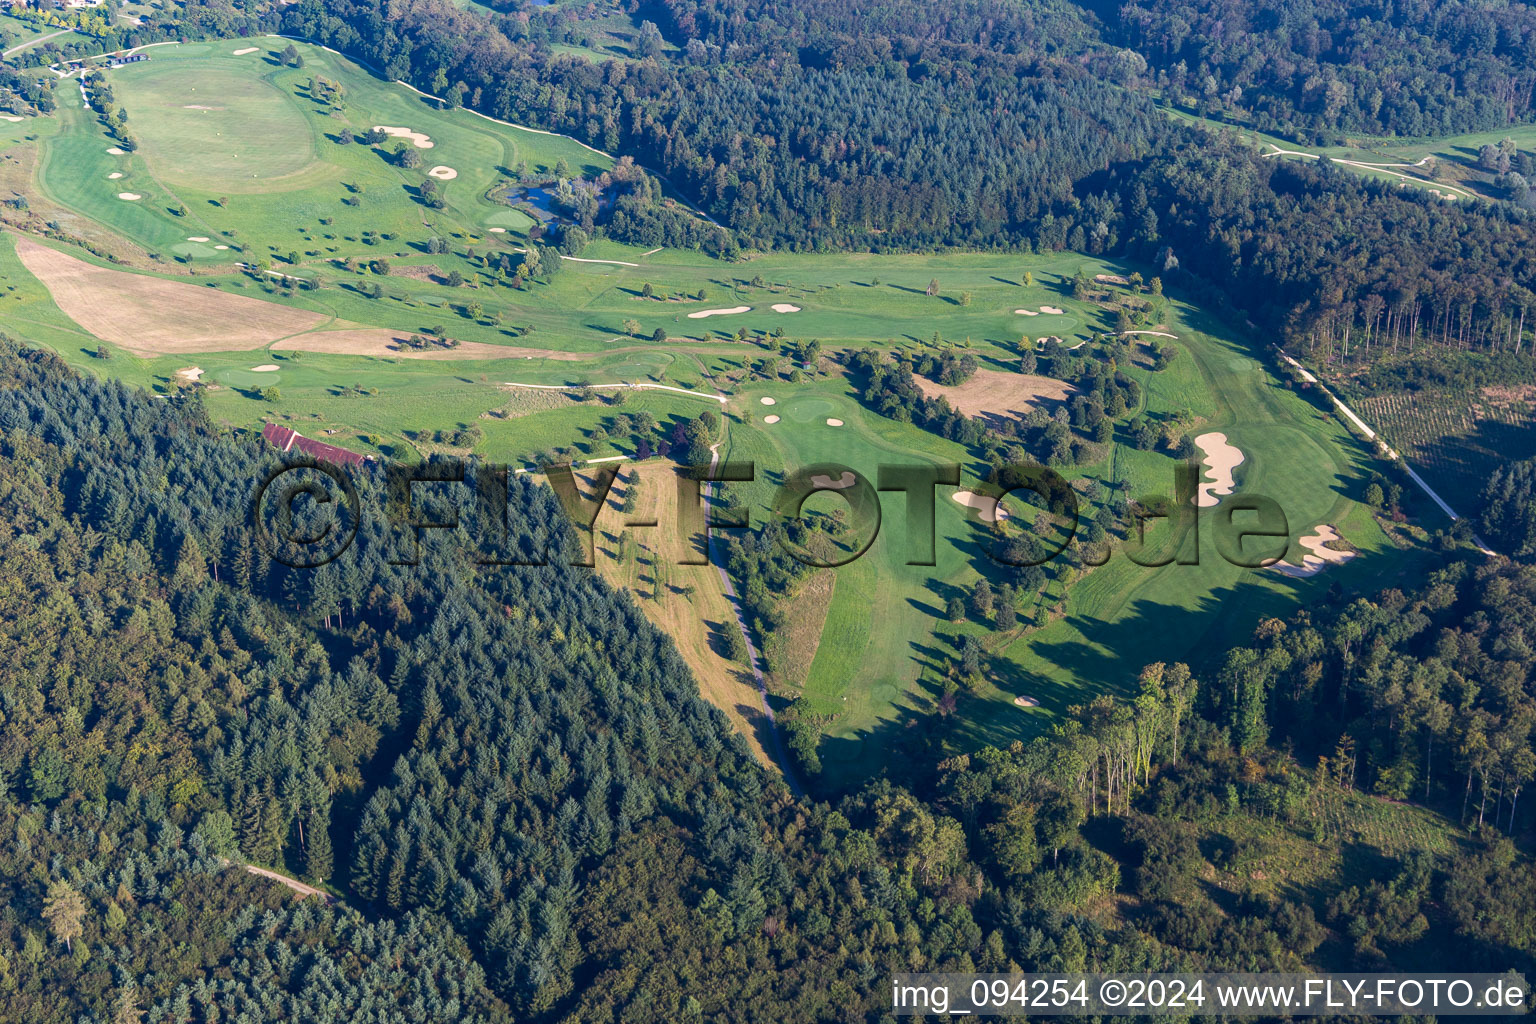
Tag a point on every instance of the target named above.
point(876, 662)
point(249, 147)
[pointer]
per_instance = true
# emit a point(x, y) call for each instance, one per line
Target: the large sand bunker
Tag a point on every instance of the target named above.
point(987, 508)
point(770, 419)
point(1111, 279)
point(1319, 556)
point(197, 238)
point(190, 373)
point(131, 197)
point(12, 118)
point(785, 307)
point(245, 50)
point(998, 393)
point(1220, 459)
point(833, 422)
point(443, 173)
point(114, 151)
point(767, 401)
point(265, 368)
point(421, 140)
point(1026, 312)
point(1053, 310)
point(842, 483)
point(151, 316)
point(374, 341)
point(701, 314)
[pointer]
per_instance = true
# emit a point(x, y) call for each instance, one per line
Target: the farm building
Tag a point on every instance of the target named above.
point(286, 439)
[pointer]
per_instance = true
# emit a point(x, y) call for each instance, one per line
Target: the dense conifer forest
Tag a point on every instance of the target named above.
point(500, 808)
point(506, 776)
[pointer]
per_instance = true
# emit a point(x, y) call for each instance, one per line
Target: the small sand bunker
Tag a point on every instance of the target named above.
point(701, 314)
point(443, 173)
point(265, 368)
point(1053, 310)
point(421, 140)
point(785, 307)
point(770, 419)
point(190, 373)
point(1026, 702)
point(767, 401)
point(114, 175)
point(197, 238)
point(245, 50)
point(1026, 312)
point(1220, 459)
point(195, 106)
point(130, 196)
point(988, 508)
point(842, 483)
point(221, 247)
point(498, 231)
point(834, 423)
point(114, 151)
point(1319, 557)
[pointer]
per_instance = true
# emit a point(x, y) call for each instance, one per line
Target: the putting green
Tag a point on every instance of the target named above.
point(806, 410)
point(216, 126)
point(246, 378)
point(515, 220)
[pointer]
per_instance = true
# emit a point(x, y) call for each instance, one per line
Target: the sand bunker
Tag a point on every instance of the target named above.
point(221, 247)
point(1026, 312)
point(11, 118)
point(1026, 702)
point(498, 231)
point(1111, 279)
point(195, 106)
point(767, 401)
point(197, 238)
point(443, 173)
point(701, 314)
point(999, 392)
point(114, 175)
point(265, 368)
point(190, 373)
point(421, 140)
point(130, 196)
point(114, 151)
point(988, 508)
point(374, 341)
point(1220, 459)
point(770, 419)
point(153, 316)
point(245, 50)
point(785, 307)
point(1053, 310)
point(834, 423)
point(842, 483)
point(1319, 557)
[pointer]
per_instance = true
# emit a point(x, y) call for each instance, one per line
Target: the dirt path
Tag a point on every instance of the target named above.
point(1391, 453)
point(1383, 168)
point(616, 263)
point(717, 558)
point(304, 891)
